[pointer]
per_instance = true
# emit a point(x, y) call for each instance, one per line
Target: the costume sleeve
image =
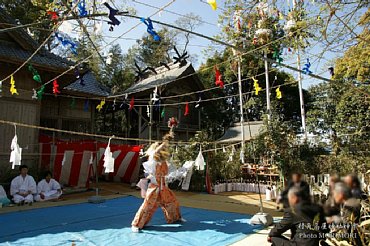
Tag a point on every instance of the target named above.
point(285, 224)
point(39, 187)
point(56, 185)
point(32, 185)
point(14, 188)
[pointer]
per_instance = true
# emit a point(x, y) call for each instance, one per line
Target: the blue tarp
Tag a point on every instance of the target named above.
point(109, 223)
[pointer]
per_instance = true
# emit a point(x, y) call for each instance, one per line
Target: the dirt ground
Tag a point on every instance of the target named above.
point(237, 202)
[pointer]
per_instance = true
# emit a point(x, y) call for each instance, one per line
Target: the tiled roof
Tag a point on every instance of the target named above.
point(12, 53)
point(163, 77)
point(92, 86)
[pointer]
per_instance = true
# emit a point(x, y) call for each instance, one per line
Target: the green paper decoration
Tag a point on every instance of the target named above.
point(163, 113)
point(40, 92)
point(277, 56)
point(73, 103)
point(36, 75)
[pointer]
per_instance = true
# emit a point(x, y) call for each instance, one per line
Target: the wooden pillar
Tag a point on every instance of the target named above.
point(140, 121)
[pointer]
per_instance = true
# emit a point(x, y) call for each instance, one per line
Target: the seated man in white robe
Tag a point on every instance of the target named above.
point(23, 187)
point(48, 189)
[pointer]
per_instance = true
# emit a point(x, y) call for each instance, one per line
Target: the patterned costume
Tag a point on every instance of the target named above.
point(158, 194)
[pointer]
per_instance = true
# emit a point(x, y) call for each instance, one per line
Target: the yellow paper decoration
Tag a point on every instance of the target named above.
point(278, 93)
point(257, 87)
point(100, 106)
point(13, 90)
point(213, 4)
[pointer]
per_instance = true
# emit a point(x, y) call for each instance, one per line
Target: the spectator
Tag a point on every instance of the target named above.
point(330, 207)
point(48, 189)
point(354, 184)
point(4, 200)
point(296, 182)
point(303, 217)
point(23, 187)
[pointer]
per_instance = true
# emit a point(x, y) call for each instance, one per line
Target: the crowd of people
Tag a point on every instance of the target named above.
point(312, 224)
point(23, 189)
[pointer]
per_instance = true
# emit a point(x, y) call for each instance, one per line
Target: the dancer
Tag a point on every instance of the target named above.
point(157, 194)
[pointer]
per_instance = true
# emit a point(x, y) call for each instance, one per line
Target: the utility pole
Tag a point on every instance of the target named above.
point(268, 102)
point(301, 100)
point(241, 107)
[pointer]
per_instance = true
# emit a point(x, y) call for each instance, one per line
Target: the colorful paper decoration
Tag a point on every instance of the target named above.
point(36, 75)
point(13, 90)
point(40, 92)
point(306, 67)
point(331, 71)
point(73, 103)
point(163, 113)
point(86, 105)
point(237, 18)
point(55, 87)
point(186, 113)
point(256, 86)
point(112, 17)
point(34, 94)
point(149, 24)
point(101, 105)
point(213, 4)
point(218, 77)
point(82, 8)
point(278, 93)
point(53, 15)
point(132, 103)
point(277, 55)
point(241, 156)
point(16, 151)
point(108, 159)
point(67, 43)
point(155, 97)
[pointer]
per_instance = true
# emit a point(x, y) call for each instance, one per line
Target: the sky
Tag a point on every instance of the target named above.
point(210, 28)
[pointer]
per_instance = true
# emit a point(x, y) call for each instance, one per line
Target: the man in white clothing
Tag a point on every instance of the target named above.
point(48, 189)
point(23, 187)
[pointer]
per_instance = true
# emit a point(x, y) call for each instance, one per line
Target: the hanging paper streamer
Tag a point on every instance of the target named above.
point(13, 90)
point(40, 92)
point(108, 159)
point(199, 162)
point(256, 86)
point(148, 111)
point(86, 105)
point(114, 104)
point(79, 76)
point(306, 67)
point(55, 87)
point(16, 154)
point(67, 43)
point(278, 93)
point(242, 157)
point(277, 55)
point(155, 97)
point(331, 71)
point(231, 156)
point(82, 8)
point(123, 104)
point(73, 103)
point(198, 102)
point(34, 94)
point(36, 75)
point(163, 113)
point(213, 4)
point(149, 24)
point(132, 103)
point(223, 149)
point(101, 105)
point(218, 76)
point(186, 109)
point(112, 17)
